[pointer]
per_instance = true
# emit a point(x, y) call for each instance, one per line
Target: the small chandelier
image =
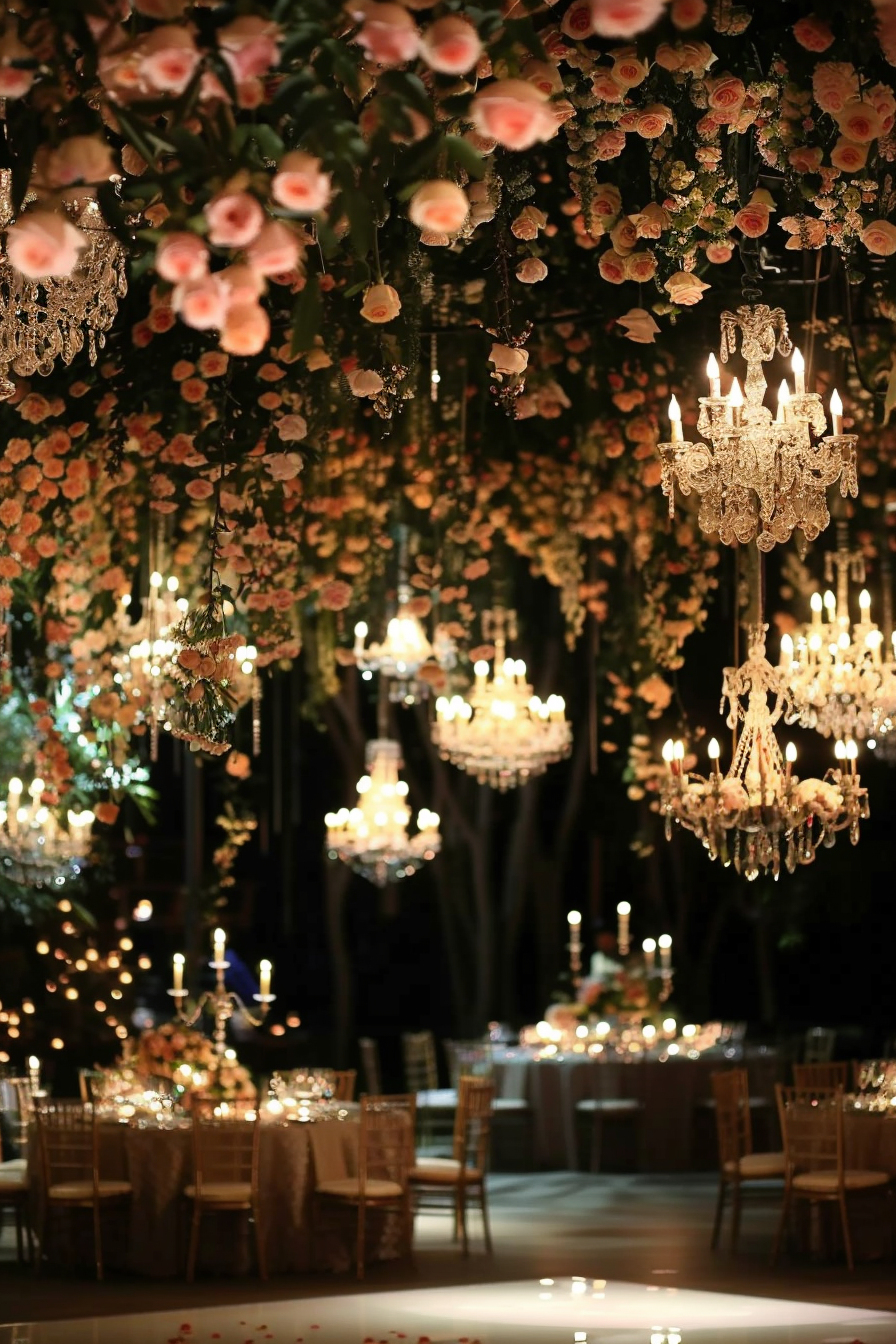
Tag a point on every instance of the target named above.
point(503, 734)
point(401, 654)
point(145, 666)
point(372, 837)
point(745, 816)
point(44, 320)
point(34, 847)
point(838, 678)
point(762, 477)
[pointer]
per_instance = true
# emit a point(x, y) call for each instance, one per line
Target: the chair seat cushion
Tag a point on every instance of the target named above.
point(14, 1164)
point(825, 1182)
point(349, 1187)
point(755, 1166)
point(442, 1171)
point(83, 1190)
point(222, 1192)
point(756, 1103)
point(437, 1099)
point(609, 1106)
point(12, 1183)
point(517, 1105)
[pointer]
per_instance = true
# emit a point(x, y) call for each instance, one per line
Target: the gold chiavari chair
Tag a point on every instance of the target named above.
point(344, 1081)
point(68, 1141)
point(87, 1081)
point(738, 1164)
point(385, 1158)
point(14, 1186)
point(458, 1181)
point(812, 1125)
point(435, 1106)
point(225, 1169)
point(806, 1077)
point(370, 1062)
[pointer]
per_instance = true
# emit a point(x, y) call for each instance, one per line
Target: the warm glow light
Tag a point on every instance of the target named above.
point(735, 395)
point(836, 403)
point(674, 409)
point(713, 750)
point(712, 367)
point(790, 752)
point(574, 917)
point(798, 364)
point(623, 908)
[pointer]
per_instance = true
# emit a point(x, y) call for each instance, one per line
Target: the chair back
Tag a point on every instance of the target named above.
point(68, 1141)
point(370, 1062)
point(421, 1069)
point(806, 1077)
point(386, 1149)
point(467, 1059)
point(473, 1122)
point(16, 1109)
point(812, 1127)
point(87, 1080)
point(344, 1084)
point(819, 1045)
point(225, 1145)
point(731, 1093)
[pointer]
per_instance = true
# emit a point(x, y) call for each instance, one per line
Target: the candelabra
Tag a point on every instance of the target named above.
point(34, 846)
point(43, 320)
point(503, 734)
point(372, 837)
point(760, 800)
point(761, 477)
point(221, 1002)
point(838, 678)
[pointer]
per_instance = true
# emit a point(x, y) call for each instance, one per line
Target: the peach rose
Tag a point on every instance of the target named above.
point(606, 88)
point(719, 253)
point(858, 121)
point(15, 79)
point(624, 18)
point(507, 359)
point(687, 14)
point(805, 158)
point(813, 33)
point(275, 250)
point(696, 57)
point(612, 267)
point(299, 185)
point(849, 157)
point(291, 428)
point(388, 34)
point(880, 237)
point(576, 22)
point(451, 45)
point(640, 267)
point(234, 219)
point(544, 76)
point(439, 205)
point(726, 98)
point(335, 595)
point(167, 59)
point(651, 221)
point(250, 46)
point(364, 382)
point(629, 71)
point(531, 270)
point(513, 112)
point(528, 223)
point(181, 256)
point(624, 234)
point(608, 145)
point(80, 158)
point(685, 288)
point(381, 303)
point(202, 303)
point(639, 326)
point(246, 329)
point(44, 243)
point(806, 232)
point(651, 121)
point(283, 466)
point(834, 83)
point(752, 219)
point(606, 203)
point(241, 284)
point(883, 101)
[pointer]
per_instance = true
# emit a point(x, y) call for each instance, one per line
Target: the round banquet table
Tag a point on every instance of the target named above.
point(149, 1236)
point(670, 1091)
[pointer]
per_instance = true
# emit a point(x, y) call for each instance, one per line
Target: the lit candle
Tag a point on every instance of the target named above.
point(830, 606)
point(865, 604)
point(669, 753)
point(360, 636)
point(574, 920)
point(790, 758)
point(786, 651)
point(649, 949)
point(852, 752)
point(665, 946)
point(34, 1073)
point(712, 373)
point(675, 421)
point(178, 972)
point(623, 911)
point(798, 364)
point(836, 412)
point(816, 604)
point(264, 978)
point(679, 759)
point(713, 751)
point(735, 402)
point(219, 941)
point(480, 668)
point(783, 399)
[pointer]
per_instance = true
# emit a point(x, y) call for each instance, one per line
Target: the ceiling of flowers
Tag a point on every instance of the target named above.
point(323, 312)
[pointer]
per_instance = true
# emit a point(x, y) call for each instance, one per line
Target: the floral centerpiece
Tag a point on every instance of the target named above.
point(188, 1058)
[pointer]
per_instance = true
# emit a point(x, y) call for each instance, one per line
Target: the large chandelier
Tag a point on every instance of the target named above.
point(44, 320)
point(762, 477)
point(372, 837)
point(759, 806)
point(34, 846)
point(840, 678)
point(503, 734)
point(401, 654)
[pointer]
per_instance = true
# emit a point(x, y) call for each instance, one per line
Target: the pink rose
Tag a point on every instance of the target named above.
point(858, 121)
point(629, 71)
point(813, 33)
point(283, 466)
point(201, 303)
point(726, 98)
point(849, 157)
point(752, 219)
point(387, 34)
point(719, 253)
point(608, 89)
point(651, 221)
point(381, 304)
point(364, 382)
point(528, 223)
point(608, 145)
point(687, 14)
point(834, 83)
point(15, 80)
point(440, 205)
point(181, 256)
point(805, 158)
point(624, 234)
point(299, 185)
point(167, 59)
point(576, 22)
point(880, 237)
point(275, 250)
point(696, 57)
point(249, 45)
point(685, 288)
point(291, 428)
point(234, 219)
point(43, 243)
point(513, 112)
point(80, 158)
point(241, 283)
point(451, 45)
point(531, 270)
point(335, 595)
point(544, 76)
point(246, 329)
point(606, 203)
point(668, 57)
point(639, 326)
point(612, 267)
point(806, 232)
point(651, 121)
point(507, 359)
point(640, 267)
point(883, 100)
point(624, 18)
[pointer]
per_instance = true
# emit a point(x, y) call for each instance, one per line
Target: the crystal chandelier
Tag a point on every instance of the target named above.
point(840, 678)
point(34, 847)
point(747, 815)
point(372, 837)
point(44, 320)
point(762, 477)
point(502, 734)
point(401, 654)
point(144, 666)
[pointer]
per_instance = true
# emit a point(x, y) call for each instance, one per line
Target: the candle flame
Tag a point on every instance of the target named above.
point(836, 403)
point(712, 367)
point(735, 396)
point(798, 364)
point(674, 409)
